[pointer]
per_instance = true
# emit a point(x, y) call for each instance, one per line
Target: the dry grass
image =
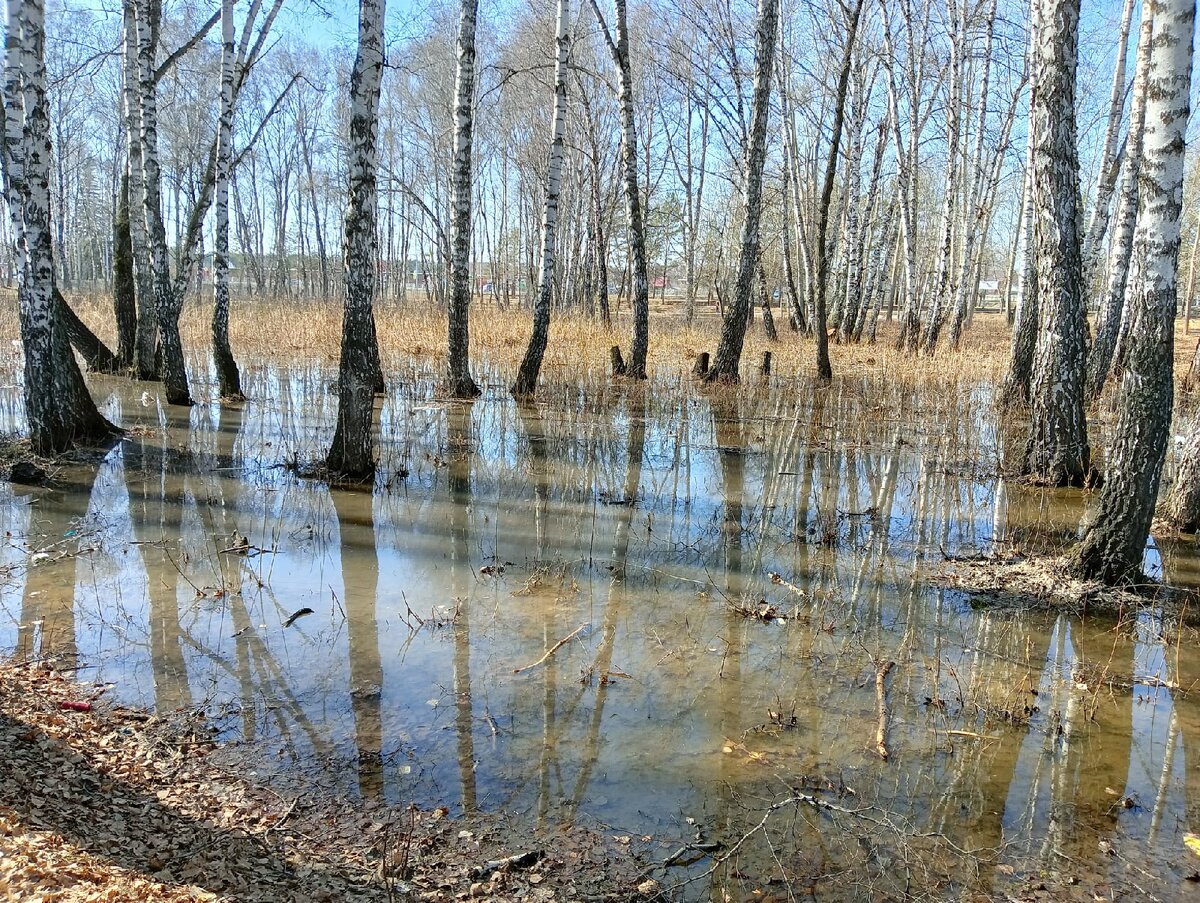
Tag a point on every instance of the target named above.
point(414, 336)
point(579, 346)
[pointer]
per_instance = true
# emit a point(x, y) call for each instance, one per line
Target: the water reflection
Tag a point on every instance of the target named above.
point(734, 565)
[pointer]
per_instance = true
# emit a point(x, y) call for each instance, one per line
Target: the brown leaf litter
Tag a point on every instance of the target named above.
point(100, 803)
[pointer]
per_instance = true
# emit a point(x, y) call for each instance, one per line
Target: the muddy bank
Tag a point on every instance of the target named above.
point(1020, 582)
point(101, 802)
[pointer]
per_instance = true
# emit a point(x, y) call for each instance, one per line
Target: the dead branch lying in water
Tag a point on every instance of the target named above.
point(881, 729)
point(553, 649)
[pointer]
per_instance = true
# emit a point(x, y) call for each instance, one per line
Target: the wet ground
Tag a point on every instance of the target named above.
point(733, 571)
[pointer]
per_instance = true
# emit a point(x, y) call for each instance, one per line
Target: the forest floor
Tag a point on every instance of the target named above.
point(103, 803)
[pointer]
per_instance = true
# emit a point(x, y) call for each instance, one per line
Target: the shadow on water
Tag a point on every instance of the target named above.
point(730, 569)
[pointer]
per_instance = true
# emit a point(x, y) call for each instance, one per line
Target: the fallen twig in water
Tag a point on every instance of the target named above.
point(553, 649)
point(881, 673)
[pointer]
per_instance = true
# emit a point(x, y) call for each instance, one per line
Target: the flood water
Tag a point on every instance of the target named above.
point(648, 522)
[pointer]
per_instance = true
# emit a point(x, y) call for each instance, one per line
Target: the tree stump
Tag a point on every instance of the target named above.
point(766, 364)
point(701, 367)
point(618, 362)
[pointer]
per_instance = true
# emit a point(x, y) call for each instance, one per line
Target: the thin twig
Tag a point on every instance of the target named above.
point(553, 649)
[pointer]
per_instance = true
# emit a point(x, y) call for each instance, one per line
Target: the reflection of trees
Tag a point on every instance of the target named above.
point(48, 598)
point(458, 478)
point(156, 504)
point(360, 583)
point(614, 606)
point(157, 482)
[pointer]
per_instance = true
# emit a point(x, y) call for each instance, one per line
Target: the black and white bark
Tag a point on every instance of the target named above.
point(1114, 296)
point(1093, 241)
point(820, 319)
point(59, 409)
point(1019, 376)
point(351, 455)
point(531, 364)
point(1114, 538)
point(167, 305)
point(124, 283)
point(618, 48)
point(228, 378)
point(146, 342)
point(737, 316)
point(943, 290)
point(459, 382)
point(1057, 452)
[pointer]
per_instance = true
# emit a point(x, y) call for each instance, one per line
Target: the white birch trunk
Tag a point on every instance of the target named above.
point(58, 407)
point(1113, 297)
point(1094, 239)
point(1114, 539)
point(459, 382)
point(531, 365)
point(229, 380)
point(351, 454)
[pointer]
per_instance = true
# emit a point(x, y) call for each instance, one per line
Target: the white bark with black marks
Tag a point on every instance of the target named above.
point(1114, 538)
point(531, 364)
point(1113, 297)
point(351, 454)
point(1057, 452)
point(737, 317)
point(58, 407)
point(459, 382)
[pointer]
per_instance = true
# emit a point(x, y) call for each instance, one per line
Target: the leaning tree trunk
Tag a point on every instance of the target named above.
point(1114, 540)
point(60, 411)
point(820, 320)
point(733, 327)
point(1057, 453)
point(167, 304)
point(351, 454)
point(634, 217)
point(124, 285)
point(228, 378)
point(459, 383)
point(1109, 165)
point(531, 365)
point(1112, 302)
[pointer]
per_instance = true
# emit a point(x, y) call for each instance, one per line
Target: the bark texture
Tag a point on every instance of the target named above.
point(229, 380)
point(1114, 539)
point(634, 215)
point(737, 317)
point(459, 382)
point(58, 407)
point(531, 364)
point(351, 454)
point(1057, 453)
point(1113, 298)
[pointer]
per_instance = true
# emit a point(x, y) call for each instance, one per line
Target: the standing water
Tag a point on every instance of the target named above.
point(732, 574)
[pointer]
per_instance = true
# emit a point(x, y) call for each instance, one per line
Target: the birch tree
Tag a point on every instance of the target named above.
point(1113, 298)
point(459, 382)
point(1111, 160)
point(351, 455)
point(1114, 538)
point(956, 19)
point(228, 378)
point(59, 409)
point(820, 318)
point(733, 327)
point(1057, 453)
point(531, 364)
point(635, 222)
